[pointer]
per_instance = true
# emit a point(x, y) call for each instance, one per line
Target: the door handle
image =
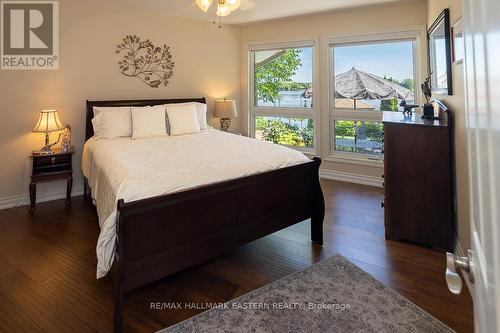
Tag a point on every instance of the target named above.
point(453, 263)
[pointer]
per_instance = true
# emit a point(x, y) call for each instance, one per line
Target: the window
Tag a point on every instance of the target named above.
point(367, 77)
point(282, 106)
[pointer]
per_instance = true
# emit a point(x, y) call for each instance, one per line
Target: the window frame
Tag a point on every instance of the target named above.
point(333, 113)
point(311, 113)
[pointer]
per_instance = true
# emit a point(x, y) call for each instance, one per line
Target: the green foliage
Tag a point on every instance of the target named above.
point(295, 86)
point(308, 134)
point(271, 77)
point(389, 104)
point(344, 128)
point(374, 131)
point(279, 131)
point(407, 83)
point(260, 123)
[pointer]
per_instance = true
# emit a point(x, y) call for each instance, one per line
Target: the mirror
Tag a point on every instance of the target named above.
point(439, 54)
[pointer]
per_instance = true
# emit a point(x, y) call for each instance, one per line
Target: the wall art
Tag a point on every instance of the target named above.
point(143, 60)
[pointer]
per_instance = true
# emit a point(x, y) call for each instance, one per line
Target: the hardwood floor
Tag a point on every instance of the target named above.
point(48, 265)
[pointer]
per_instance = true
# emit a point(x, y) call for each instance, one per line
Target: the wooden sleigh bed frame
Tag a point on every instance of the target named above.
point(162, 235)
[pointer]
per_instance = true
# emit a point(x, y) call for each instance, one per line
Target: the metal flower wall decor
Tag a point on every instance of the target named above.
point(141, 59)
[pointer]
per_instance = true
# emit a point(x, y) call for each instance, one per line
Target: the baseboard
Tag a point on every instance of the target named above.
point(351, 178)
point(460, 252)
point(24, 199)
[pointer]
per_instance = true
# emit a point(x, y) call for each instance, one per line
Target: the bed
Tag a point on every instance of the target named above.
point(168, 203)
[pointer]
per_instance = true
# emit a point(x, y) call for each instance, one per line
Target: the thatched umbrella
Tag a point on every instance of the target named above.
point(355, 84)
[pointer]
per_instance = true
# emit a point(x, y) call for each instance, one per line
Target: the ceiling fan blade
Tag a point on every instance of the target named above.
point(247, 5)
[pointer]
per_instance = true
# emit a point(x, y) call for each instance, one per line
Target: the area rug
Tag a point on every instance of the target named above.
point(331, 296)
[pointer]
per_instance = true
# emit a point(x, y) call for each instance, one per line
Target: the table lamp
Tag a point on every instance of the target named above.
point(48, 121)
point(225, 109)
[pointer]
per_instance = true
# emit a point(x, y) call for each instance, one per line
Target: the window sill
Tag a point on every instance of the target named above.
point(355, 159)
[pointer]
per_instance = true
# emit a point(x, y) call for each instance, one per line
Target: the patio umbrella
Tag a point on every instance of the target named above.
point(356, 84)
point(346, 103)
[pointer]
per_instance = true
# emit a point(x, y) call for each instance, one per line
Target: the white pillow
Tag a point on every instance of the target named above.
point(182, 118)
point(148, 121)
point(201, 112)
point(112, 122)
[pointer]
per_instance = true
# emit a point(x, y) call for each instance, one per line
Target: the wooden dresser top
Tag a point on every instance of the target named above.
point(393, 117)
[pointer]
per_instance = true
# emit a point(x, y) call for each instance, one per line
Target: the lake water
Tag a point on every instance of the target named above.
point(294, 99)
point(289, 99)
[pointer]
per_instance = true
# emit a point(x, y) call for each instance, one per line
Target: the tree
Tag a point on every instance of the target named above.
point(270, 77)
point(375, 131)
point(344, 128)
point(389, 104)
point(282, 133)
point(408, 84)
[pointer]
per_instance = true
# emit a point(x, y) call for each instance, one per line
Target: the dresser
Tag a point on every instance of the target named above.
point(418, 171)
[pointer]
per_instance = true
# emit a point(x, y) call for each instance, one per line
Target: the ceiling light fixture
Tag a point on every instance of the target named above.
point(223, 8)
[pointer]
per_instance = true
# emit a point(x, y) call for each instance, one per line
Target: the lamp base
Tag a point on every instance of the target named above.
point(45, 151)
point(224, 124)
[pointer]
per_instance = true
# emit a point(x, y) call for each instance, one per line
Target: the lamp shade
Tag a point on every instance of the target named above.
point(225, 108)
point(204, 4)
point(48, 121)
point(233, 4)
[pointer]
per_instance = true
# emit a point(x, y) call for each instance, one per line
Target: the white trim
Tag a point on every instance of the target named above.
point(414, 34)
point(24, 199)
point(354, 158)
point(351, 178)
point(252, 110)
point(282, 44)
point(391, 34)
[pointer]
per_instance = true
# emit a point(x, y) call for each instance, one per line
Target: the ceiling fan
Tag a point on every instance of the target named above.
point(224, 7)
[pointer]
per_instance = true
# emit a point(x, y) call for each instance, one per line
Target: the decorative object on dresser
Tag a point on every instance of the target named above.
point(66, 139)
point(418, 171)
point(225, 109)
point(48, 121)
point(439, 52)
point(142, 59)
point(428, 108)
point(407, 108)
point(56, 166)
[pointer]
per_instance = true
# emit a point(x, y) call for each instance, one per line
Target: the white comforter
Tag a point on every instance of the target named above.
point(136, 169)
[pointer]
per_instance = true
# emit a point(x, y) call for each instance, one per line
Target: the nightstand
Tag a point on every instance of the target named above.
point(56, 166)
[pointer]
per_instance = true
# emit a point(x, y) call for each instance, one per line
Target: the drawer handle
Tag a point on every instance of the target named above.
point(53, 160)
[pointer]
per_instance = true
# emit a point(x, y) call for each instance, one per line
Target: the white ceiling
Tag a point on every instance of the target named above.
point(254, 10)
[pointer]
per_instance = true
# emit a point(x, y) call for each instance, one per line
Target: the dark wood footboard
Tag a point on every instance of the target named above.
point(163, 235)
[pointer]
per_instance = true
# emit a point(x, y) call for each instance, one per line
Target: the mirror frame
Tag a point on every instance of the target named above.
point(444, 16)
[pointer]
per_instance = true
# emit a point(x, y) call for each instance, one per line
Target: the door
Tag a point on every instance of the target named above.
point(482, 79)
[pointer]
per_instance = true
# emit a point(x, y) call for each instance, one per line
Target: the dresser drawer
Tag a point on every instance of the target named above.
point(42, 161)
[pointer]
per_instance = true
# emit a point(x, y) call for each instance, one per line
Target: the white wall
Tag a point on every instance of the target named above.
point(363, 20)
point(206, 59)
point(456, 103)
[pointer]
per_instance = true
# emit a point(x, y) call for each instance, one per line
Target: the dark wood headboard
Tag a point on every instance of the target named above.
point(89, 130)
